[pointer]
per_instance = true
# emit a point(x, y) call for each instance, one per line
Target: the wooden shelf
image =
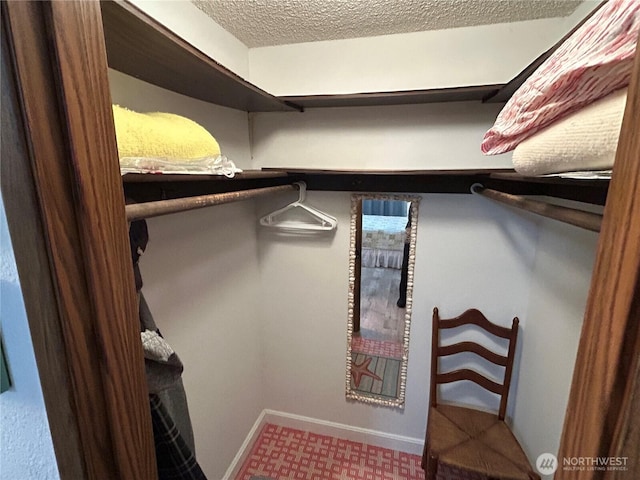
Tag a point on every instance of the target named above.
point(245, 175)
point(146, 188)
point(405, 97)
point(160, 187)
point(143, 48)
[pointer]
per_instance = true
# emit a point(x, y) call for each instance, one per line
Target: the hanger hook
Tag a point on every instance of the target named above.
point(302, 194)
point(475, 187)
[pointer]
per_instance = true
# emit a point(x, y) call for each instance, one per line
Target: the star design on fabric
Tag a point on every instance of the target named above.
point(359, 371)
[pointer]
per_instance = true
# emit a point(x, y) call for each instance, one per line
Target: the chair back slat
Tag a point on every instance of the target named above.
point(473, 317)
point(467, 374)
point(473, 348)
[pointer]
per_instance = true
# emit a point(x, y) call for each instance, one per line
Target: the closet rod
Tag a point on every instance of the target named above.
point(579, 218)
point(138, 211)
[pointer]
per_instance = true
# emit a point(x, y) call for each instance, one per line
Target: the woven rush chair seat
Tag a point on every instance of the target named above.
point(464, 443)
point(471, 444)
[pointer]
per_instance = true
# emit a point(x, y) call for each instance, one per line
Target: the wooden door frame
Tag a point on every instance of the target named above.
point(64, 202)
point(600, 419)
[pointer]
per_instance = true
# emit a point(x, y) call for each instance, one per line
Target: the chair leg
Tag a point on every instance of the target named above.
point(429, 462)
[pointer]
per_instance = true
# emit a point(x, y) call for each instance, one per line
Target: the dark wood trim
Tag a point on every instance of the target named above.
point(37, 283)
point(143, 48)
point(149, 188)
point(161, 187)
point(453, 181)
point(579, 218)
point(607, 354)
point(507, 90)
point(626, 440)
point(60, 64)
point(462, 172)
point(245, 175)
point(402, 97)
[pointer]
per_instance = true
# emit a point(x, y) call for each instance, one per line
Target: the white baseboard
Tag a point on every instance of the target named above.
point(245, 448)
point(321, 427)
point(348, 432)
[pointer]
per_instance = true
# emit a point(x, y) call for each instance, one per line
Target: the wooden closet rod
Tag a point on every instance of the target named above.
point(138, 211)
point(579, 218)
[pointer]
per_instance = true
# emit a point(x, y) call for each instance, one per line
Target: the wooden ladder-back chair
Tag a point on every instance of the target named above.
point(465, 443)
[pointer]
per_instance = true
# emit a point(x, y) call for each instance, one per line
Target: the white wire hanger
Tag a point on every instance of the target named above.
point(319, 220)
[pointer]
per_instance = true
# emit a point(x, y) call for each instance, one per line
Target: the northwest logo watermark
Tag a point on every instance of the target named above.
point(547, 463)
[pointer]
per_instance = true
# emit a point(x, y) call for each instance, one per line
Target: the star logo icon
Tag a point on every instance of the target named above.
point(361, 370)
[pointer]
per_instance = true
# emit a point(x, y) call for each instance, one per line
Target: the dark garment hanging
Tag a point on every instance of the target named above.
point(164, 374)
point(404, 272)
point(174, 458)
point(404, 277)
point(172, 431)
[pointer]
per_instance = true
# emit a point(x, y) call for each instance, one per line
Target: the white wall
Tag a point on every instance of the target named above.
point(429, 136)
point(479, 55)
point(584, 9)
point(26, 447)
point(200, 279)
point(469, 254)
point(200, 276)
point(194, 26)
point(559, 290)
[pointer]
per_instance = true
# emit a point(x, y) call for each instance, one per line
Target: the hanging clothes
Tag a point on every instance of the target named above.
point(164, 374)
point(404, 272)
point(172, 431)
point(174, 458)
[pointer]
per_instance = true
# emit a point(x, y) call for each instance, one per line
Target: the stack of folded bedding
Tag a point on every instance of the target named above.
point(166, 143)
point(567, 115)
point(585, 140)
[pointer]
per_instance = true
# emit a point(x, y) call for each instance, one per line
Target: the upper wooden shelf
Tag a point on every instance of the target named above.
point(404, 97)
point(143, 48)
point(245, 175)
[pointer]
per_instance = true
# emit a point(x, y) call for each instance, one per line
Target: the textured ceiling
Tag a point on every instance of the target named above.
point(259, 23)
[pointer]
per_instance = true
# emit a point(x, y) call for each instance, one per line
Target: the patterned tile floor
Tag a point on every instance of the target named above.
point(376, 347)
point(283, 453)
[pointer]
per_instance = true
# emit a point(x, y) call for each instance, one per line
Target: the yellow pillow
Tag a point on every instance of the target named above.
point(161, 135)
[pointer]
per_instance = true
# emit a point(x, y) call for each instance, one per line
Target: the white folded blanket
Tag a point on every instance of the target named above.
point(584, 140)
